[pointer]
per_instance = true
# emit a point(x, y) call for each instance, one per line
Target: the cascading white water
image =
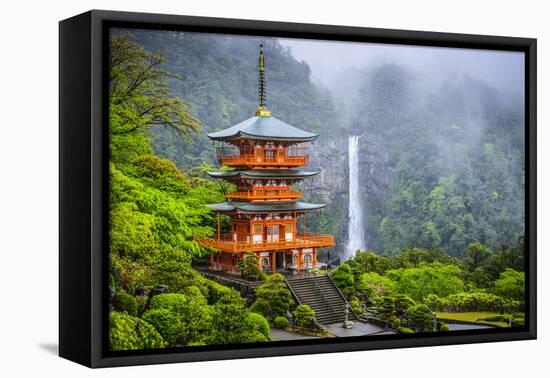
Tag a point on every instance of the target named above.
point(356, 230)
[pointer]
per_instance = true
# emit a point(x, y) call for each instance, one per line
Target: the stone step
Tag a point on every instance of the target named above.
point(322, 296)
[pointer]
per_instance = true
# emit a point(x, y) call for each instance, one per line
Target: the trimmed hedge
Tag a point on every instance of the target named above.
point(127, 332)
point(280, 322)
point(125, 303)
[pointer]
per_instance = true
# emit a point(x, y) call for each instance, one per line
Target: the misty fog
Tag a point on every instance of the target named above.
point(334, 63)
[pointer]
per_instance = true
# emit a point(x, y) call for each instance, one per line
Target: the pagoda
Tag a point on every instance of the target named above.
point(266, 155)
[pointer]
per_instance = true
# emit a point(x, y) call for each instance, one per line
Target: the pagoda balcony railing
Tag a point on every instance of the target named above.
point(264, 194)
point(293, 156)
point(226, 243)
point(270, 161)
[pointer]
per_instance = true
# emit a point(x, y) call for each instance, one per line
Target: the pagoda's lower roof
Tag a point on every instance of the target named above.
point(266, 174)
point(249, 207)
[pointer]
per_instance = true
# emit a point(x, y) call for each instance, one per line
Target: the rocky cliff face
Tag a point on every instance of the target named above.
point(330, 154)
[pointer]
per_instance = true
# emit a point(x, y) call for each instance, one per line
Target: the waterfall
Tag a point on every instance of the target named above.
point(356, 230)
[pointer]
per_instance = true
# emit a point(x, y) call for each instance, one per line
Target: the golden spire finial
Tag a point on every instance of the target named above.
point(262, 110)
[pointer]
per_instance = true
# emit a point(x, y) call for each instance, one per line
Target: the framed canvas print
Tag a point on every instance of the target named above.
point(235, 188)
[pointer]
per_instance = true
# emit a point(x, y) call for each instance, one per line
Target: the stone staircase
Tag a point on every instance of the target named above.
point(322, 295)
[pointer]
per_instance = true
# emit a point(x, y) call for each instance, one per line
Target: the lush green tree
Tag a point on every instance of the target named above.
point(511, 284)
point(369, 261)
point(507, 257)
point(479, 278)
point(190, 309)
point(414, 257)
point(249, 268)
point(139, 93)
point(273, 297)
point(303, 315)
point(476, 256)
point(379, 285)
point(232, 323)
point(427, 279)
point(343, 276)
point(127, 332)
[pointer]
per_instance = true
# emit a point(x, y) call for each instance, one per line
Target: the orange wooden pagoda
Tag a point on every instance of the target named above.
point(265, 153)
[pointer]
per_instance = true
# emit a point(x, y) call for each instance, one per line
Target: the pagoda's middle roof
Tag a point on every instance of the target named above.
point(249, 207)
point(262, 127)
point(265, 174)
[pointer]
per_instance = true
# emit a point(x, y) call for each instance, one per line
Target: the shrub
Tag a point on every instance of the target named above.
point(233, 323)
point(396, 323)
point(420, 316)
point(127, 332)
point(273, 297)
point(123, 302)
point(249, 268)
point(261, 306)
point(475, 301)
point(404, 330)
point(167, 323)
point(257, 323)
point(280, 322)
point(191, 310)
point(401, 303)
point(356, 306)
point(343, 277)
point(303, 316)
point(216, 291)
point(443, 327)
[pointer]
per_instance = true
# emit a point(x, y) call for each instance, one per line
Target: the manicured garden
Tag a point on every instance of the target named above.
point(482, 317)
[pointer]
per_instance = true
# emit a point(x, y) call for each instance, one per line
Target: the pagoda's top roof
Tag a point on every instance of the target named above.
point(264, 127)
point(265, 174)
point(250, 207)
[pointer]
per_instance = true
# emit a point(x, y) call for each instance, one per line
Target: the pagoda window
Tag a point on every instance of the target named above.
point(272, 233)
point(289, 231)
point(265, 263)
point(242, 232)
point(269, 155)
point(258, 236)
point(307, 261)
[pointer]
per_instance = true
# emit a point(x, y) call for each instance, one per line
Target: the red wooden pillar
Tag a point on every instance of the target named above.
point(273, 261)
point(300, 260)
point(294, 227)
point(259, 261)
point(211, 261)
point(314, 258)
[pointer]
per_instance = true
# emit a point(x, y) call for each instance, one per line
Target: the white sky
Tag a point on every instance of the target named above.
point(500, 69)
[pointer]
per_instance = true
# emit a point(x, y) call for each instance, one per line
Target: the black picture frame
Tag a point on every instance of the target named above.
point(83, 182)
